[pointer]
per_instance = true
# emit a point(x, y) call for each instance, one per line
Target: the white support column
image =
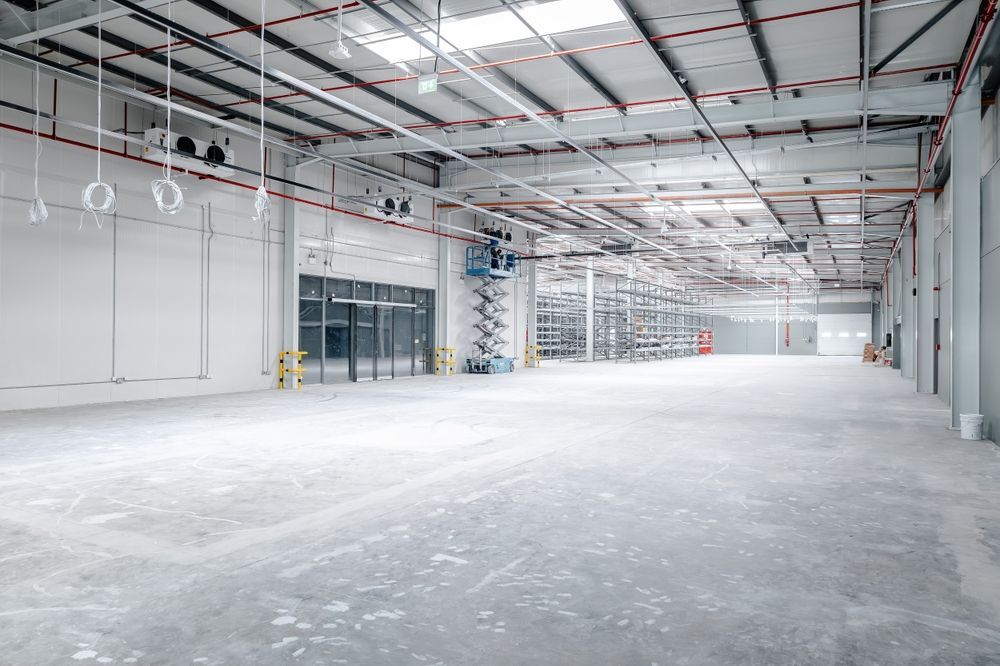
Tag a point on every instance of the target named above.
point(589, 350)
point(442, 301)
point(895, 275)
point(966, 243)
point(907, 308)
point(532, 273)
point(290, 262)
point(925, 294)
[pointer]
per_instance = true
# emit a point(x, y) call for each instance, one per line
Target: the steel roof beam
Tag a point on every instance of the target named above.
point(212, 80)
point(565, 163)
point(423, 18)
point(305, 56)
point(153, 83)
point(926, 99)
point(62, 17)
point(828, 229)
point(917, 34)
point(538, 120)
point(571, 62)
point(775, 163)
point(661, 58)
point(763, 59)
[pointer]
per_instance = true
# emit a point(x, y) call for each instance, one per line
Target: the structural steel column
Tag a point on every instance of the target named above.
point(532, 324)
point(883, 313)
point(290, 261)
point(965, 252)
point(896, 277)
point(589, 351)
point(925, 294)
point(907, 308)
point(443, 297)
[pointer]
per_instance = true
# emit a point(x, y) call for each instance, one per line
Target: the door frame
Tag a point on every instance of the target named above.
point(354, 303)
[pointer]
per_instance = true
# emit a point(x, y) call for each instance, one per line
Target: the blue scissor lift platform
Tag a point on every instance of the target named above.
point(492, 265)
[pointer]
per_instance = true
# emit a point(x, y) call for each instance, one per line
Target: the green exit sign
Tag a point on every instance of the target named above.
point(427, 83)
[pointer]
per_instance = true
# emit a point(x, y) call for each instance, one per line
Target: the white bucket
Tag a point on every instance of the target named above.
point(972, 426)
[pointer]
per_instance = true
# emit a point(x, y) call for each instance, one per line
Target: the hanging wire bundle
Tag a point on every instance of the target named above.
point(37, 212)
point(262, 202)
point(108, 203)
point(161, 185)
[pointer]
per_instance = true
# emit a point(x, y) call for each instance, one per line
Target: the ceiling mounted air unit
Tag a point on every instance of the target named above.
point(617, 248)
point(792, 248)
point(189, 153)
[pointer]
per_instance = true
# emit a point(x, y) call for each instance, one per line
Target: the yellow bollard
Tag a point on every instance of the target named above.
point(532, 356)
point(298, 370)
point(444, 359)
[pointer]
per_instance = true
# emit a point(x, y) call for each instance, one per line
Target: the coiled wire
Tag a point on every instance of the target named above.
point(107, 206)
point(176, 201)
point(109, 203)
point(160, 186)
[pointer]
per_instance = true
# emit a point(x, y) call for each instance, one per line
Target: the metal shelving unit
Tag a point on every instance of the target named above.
point(562, 317)
point(633, 320)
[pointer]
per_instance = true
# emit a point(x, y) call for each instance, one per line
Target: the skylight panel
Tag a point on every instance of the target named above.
point(566, 15)
point(501, 27)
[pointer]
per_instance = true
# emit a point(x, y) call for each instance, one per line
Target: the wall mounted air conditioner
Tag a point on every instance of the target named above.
point(189, 153)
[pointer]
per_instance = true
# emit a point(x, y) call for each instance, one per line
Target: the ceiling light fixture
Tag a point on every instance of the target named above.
point(340, 52)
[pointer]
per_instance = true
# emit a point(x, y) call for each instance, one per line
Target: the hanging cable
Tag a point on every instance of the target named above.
point(37, 212)
point(438, 31)
point(108, 204)
point(262, 202)
point(160, 186)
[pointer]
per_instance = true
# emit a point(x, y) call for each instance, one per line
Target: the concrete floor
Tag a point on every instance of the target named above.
point(750, 510)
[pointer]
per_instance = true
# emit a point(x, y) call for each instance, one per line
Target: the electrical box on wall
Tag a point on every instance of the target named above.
point(189, 153)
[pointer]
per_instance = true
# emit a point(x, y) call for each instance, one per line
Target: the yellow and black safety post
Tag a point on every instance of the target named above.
point(444, 361)
point(298, 370)
point(532, 356)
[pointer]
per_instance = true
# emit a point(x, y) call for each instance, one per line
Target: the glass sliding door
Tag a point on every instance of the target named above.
point(337, 343)
point(364, 346)
point(310, 329)
point(423, 335)
point(383, 342)
point(349, 338)
point(402, 342)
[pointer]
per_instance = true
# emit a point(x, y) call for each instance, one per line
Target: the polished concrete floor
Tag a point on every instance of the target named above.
point(729, 510)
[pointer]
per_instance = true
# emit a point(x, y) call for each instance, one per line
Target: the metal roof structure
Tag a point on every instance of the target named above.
point(705, 141)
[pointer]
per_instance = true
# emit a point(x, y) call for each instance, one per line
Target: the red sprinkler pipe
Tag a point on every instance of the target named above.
point(985, 18)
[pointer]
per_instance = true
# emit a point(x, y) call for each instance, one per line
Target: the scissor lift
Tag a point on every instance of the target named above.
point(492, 265)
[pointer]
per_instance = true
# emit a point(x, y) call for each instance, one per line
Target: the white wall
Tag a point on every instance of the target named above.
point(175, 305)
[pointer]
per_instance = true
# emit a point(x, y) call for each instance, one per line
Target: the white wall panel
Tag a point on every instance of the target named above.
point(153, 298)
